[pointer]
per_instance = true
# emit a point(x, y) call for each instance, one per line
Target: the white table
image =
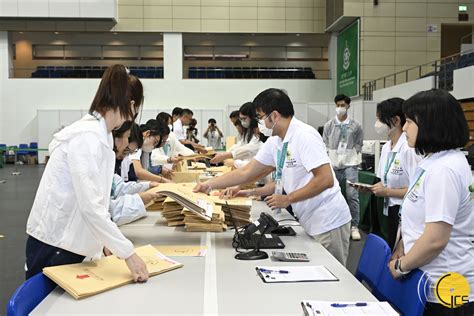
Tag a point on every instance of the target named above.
point(216, 284)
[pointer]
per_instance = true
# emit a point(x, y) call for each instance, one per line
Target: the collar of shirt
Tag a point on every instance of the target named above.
point(428, 161)
point(346, 122)
point(402, 140)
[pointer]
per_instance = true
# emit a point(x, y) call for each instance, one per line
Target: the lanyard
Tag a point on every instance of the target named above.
point(343, 127)
point(166, 148)
point(281, 156)
point(419, 173)
point(388, 164)
point(114, 187)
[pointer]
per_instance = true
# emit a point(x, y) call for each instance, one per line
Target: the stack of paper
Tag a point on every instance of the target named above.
point(172, 212)
point(325, 308)
point(194, 223)
point(240, 208)
point(191, 176)
point(85, 279)
point(156, 204)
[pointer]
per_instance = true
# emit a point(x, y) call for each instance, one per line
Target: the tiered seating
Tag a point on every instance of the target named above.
point(91, 72)
point(250, 73)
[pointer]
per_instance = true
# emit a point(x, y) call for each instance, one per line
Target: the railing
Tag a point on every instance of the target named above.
point(442, 70)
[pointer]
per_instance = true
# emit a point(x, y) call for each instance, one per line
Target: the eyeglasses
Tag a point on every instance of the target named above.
point(264, 117)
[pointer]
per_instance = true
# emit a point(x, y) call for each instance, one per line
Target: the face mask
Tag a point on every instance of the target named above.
point(170, 127)
point(245, 123)
point(268, 132)
point(341, 111)
point(381, 128)
point(148, 145)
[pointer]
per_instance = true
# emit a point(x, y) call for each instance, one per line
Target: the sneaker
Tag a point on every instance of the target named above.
point(355, 235)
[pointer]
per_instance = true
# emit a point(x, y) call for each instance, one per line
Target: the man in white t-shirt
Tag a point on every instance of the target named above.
point(179, 131)
point(298, 155)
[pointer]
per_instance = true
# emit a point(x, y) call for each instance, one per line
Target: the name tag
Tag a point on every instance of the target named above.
point(341, 149)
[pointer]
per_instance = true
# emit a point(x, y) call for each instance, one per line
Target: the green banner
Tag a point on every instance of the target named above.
point(347, 81)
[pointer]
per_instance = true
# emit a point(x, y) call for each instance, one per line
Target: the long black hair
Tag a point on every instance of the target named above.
point(156, 128)
point(248, 109)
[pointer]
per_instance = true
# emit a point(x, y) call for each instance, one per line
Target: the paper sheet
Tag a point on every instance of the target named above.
point(324, 308)
point(295, 274)
point(182, 251)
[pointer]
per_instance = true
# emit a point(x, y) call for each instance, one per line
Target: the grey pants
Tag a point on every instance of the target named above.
point(336, 241)
point(352, 196)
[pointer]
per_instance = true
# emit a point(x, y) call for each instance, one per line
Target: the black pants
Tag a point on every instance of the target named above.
point(40, 255)
point(432, 309)
point(392, 224)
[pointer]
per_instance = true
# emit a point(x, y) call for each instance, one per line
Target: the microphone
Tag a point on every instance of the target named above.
point(264, 223)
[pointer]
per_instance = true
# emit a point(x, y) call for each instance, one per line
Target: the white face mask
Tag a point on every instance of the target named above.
point(170, 127)
point(341, 111)
point(381, 128)
point(148, 145)
point(245, 123)
point(265, 130)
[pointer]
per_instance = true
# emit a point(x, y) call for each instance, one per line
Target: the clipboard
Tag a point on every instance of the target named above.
point(296, 274)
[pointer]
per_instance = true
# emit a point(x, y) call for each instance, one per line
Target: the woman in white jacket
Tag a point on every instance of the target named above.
point(69, 219)
point(251, 140)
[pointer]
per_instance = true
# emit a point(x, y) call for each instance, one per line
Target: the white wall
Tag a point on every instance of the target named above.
point(464, 83)
point(59, 9)
point(404, 90)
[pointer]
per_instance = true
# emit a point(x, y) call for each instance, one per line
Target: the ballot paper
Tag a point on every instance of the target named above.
point(335, 308)
point(86, 279)
point(182, 251)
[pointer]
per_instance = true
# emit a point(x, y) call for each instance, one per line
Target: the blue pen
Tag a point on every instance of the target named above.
point(274, 271)
point(346, 305)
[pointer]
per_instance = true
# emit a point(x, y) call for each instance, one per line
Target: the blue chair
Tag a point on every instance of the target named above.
point(29, 295)
point(373, 260)
point(33, 145)
point(407, 295)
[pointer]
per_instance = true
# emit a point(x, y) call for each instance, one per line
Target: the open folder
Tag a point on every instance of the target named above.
point(85, 279)
point(278, 274)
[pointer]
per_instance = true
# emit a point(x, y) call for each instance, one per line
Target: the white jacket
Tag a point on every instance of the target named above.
point(159, 157)
point(126, 205)
point(70, 210)
point(244, 150)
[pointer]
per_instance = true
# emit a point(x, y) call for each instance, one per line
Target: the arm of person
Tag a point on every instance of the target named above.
point(248, 173)
point(220, 132)
point(359, 139)
point(158, 157)
point(145, 175)
point(326, 135)
point(246, 151)
point(220, 157)
point(379, 189)
point(322, 180)
point(431, 243)
point(126, 209)
point(206, 133)
point(131, 187)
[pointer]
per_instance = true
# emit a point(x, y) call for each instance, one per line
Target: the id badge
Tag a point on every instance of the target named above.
point(341, 149)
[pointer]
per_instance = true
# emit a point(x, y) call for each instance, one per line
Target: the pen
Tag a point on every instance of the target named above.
point(274, 271)
point(346, 305)
point(314, 311)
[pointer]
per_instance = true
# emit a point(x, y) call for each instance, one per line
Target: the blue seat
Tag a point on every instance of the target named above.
point(201, 72)
point(192, 72)
point(373, 259)
point(33, 146)
point(22, 152)
point(29, 295)
point(211, 72)
point(407, 295)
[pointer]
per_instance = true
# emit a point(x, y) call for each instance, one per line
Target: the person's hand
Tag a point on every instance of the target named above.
point(231, 193)
point(229, 163)
point(107, 252)
point(393, 272)
point(203, 187)
point(154, 184)
point(175, 160)
point(360, 189)
point(138, 268)
point(148, 196)
point(167, 173)
point(277, 201)
point(201, 149)
point(399, 251)
point(379, 189)
point(218, 158)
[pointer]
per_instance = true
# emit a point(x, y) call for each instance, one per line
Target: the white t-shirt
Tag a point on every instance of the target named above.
point(402, 167)
point(306, 151)
point(442, 194)
point(143, 157)
point(178, 130)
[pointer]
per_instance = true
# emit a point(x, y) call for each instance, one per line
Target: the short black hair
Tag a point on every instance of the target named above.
point(388, 109)
point(177, 111)
point(193, 122)
point(156, 128)
point(274, 100)
point(164, 117)
point(234, 114)
point(187, 112)
point(135, 135)
point(211, 121)
point(118, 133)
point(342, 97)
point(440, 119)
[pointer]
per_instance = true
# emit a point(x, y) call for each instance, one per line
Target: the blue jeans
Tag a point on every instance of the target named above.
point(352, 196)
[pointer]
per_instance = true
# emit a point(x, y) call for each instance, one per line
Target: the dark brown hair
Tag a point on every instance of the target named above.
point(116, 90)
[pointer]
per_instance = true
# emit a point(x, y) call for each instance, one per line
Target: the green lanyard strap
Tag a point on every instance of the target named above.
point(281, 155)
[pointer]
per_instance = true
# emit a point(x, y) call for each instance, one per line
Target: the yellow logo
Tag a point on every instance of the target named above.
point(452, 290)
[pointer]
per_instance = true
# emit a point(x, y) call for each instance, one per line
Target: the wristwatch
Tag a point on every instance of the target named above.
point(398, 268)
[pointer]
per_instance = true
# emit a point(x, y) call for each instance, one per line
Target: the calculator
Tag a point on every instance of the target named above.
point(290, 256)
